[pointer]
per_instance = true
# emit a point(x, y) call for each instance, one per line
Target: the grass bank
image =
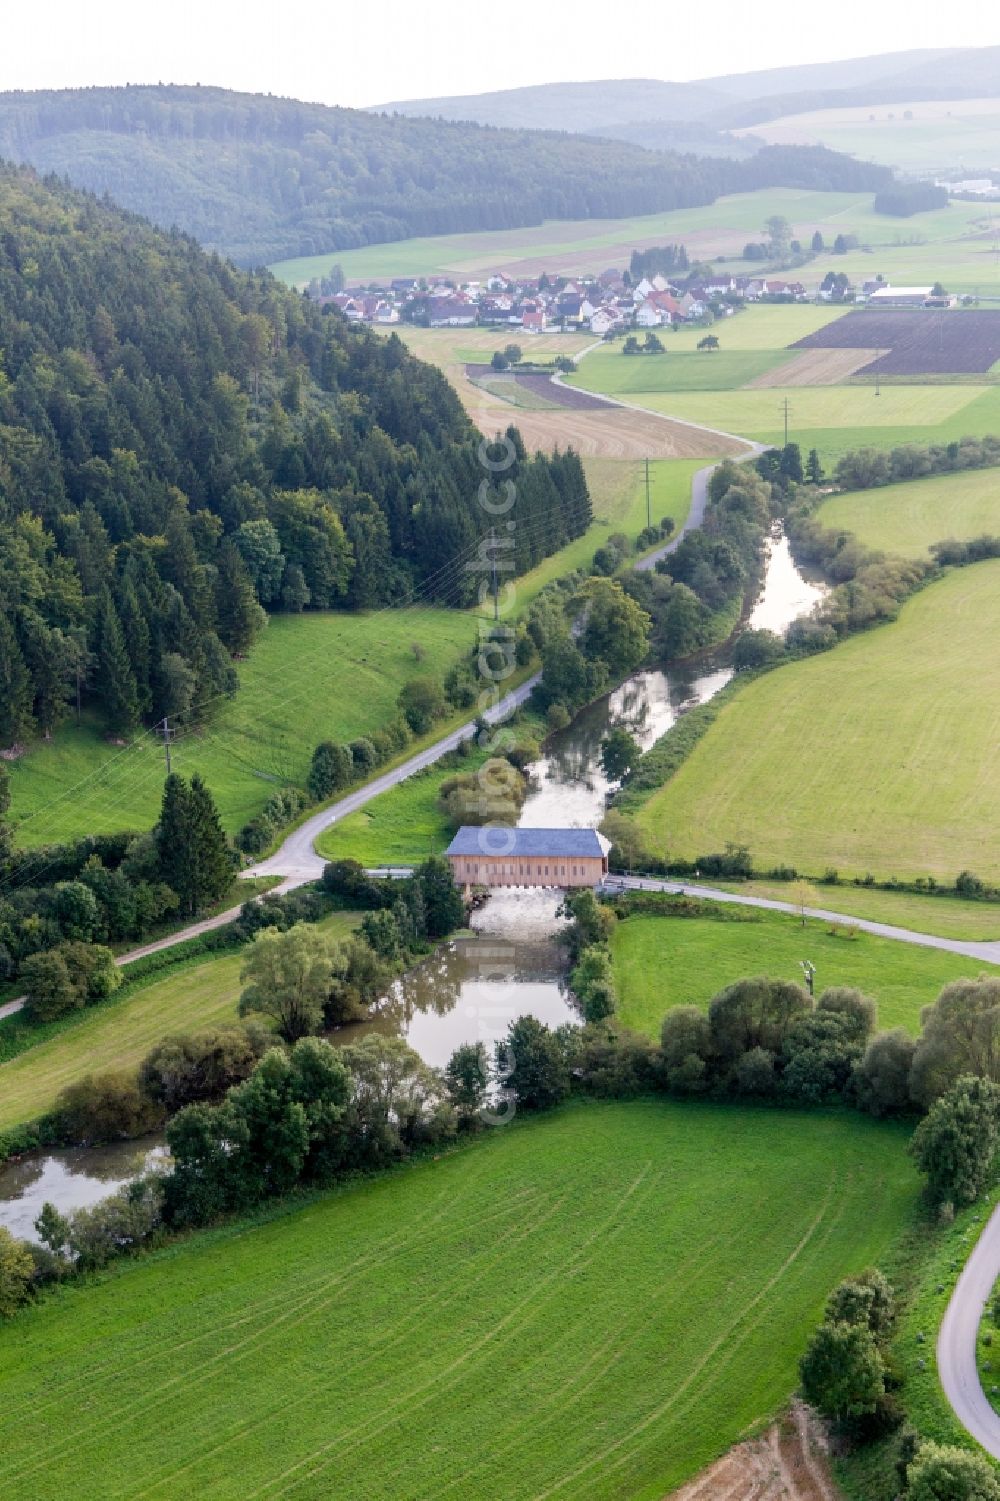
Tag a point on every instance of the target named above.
point(907, 519)
point(496, 1318)
point(880, 756)
point(193, 993)
point(946, 916)
point(663, 962)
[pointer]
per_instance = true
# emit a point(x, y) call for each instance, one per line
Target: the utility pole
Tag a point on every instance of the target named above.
point(168, 734)
point(785, 406)
point(649, 520)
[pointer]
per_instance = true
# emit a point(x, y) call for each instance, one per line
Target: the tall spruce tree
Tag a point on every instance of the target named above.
point(192, 853)
point(5, 830)
point(210, 853)
point(115, 678)
point(173, 841)
point(51, 657)
point(239, 616)
point(15, 687)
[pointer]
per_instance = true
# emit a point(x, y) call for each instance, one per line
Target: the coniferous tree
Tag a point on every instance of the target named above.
point(192, 853)
point(211, 858)
point(137, 643)
point(15, 686)
point(115, 679)
point(51, 658)
point(240, 618)
point(173, 836)
point(5, 830)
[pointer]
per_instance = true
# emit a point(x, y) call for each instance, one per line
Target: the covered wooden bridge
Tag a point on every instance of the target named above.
point(498, 856)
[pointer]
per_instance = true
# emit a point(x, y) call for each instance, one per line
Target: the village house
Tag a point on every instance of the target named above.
point(452, 312)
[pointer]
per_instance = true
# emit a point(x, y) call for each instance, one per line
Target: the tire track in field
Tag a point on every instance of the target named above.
point(363, 1264)
point(433, 1385)
point(385, 1251)
point(738, 1341)
point(661, 1408)
point(617, 1342)
point(401, 1332)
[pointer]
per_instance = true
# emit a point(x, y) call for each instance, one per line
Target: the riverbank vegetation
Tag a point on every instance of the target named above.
point(296, 963)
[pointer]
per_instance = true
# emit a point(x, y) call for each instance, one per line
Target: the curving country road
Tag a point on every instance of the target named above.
point(956, 1346)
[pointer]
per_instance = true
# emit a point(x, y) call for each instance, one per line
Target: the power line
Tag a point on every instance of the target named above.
point(455, 567)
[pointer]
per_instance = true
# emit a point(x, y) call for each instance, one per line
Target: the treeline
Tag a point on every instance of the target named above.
point(588, 635)
point(61, 907)
point(184, 447)
point(905, 198)
point(659, 260)
point(707, 576)
point(868, 468)
point(262, 179)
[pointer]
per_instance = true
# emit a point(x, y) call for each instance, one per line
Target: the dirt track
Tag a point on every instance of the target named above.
point(787, 1463)
point(816, 367)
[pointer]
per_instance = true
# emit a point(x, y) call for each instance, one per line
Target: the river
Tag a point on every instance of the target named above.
point(470, 990)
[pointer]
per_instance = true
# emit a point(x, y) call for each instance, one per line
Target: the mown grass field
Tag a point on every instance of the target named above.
point(908, 518)
point(500, 1349)
point(310, 677)
point(882, 755)
point(946, 916)
point(958, 135)
point(613, 373)
point(663, 962)
point(835, 419)
point(196, 994)
point(712, 389)
point(955, 242)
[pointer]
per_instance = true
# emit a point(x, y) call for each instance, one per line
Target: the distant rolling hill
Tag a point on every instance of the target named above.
point(264, 179)
point(579, 107)
point(652, 113)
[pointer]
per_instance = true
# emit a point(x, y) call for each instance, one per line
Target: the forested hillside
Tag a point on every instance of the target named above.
point(184, 446)
point(263, 179)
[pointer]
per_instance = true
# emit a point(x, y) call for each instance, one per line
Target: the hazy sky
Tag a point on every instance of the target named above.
point(365, 53)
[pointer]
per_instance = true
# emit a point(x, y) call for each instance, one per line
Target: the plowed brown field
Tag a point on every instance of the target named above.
point(816, 367)
point(616, 433)
point(787, 1463)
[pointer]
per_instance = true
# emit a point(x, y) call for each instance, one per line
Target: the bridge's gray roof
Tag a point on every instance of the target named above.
point(504, 842)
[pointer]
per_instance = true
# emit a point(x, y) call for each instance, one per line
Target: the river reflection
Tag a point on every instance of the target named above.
point(512, 964)
point(71, 1179)
point(786, 594)
point(472, 989)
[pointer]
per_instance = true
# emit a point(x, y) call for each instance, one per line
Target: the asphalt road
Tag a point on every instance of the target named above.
point(956, 1346)
point(989, 952)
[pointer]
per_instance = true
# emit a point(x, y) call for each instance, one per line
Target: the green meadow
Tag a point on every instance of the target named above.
point(500, 1349)
point(834, 419)
point(189, 996)
point(882, 755)
point(954, 243)
point(311, 677)
point(908, 519)
point(663, 962)
point(920, 135)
